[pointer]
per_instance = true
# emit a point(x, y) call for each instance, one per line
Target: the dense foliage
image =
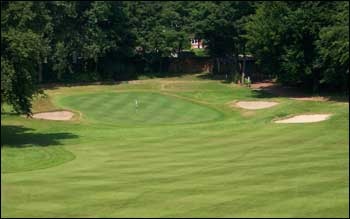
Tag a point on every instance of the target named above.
point(24, 30)
point(305, 43)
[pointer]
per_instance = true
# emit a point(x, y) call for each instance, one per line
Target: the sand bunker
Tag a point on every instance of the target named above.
point(56, 115)
point(305, 118)
point(253, 105)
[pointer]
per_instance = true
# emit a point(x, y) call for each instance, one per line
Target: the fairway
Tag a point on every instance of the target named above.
point(181, 151)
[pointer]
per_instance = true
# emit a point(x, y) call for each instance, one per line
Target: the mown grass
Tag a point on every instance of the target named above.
point(121, 108)
point(185, 154)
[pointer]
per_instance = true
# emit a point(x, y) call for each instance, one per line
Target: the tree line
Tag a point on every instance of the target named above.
point(300, 43)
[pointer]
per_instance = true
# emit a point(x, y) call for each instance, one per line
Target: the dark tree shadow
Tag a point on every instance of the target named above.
point(9, 113)
point(53, 86)
point(151, 75)
point(276, 90)
point(340, 98)
point(20, 136)
point(167, 74)
point(268, 89)
point(271, 90)
point(263, 94)
point(223, 78)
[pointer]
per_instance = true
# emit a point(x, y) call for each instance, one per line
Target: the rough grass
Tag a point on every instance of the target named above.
point(225, 162)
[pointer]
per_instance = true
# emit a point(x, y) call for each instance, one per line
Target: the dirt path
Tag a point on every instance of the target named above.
point(254, 105)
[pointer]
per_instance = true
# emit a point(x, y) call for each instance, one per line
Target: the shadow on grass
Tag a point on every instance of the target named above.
point(166, 74)
point(152, 75)
point(271, 90)
point(223, 78)
point(263, 94)
point(20, 136)
point(339, 98)
point(9, 113)
point(53, 86)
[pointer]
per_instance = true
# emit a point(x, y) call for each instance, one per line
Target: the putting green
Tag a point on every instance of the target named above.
point(152, 108)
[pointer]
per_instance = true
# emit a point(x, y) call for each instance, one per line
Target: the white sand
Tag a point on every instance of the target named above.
point(57, 115)
point(253, 105)
point(305, 118)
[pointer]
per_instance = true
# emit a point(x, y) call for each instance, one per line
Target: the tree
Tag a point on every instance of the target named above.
point(24, 27)
point(86, 32)
point(333, 47)
point(106, 31)
point(264, 34)
point(301, 42)
point(219, 23)
point(163, 33)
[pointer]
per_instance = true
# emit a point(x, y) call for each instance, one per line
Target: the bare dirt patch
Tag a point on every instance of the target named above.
point(254, 105)
point(278, 90)
point(310, 98)
point(262, 85)
point(305, 118)
point(55, 115)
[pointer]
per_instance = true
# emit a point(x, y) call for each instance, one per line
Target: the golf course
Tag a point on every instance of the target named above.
point(174, 147)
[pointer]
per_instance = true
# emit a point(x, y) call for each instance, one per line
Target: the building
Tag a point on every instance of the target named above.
point(196, 43)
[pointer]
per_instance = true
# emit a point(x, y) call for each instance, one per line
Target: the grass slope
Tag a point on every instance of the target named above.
point(224, 163)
